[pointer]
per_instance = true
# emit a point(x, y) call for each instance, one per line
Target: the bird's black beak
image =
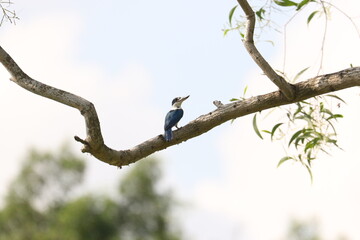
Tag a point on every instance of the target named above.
point(184, 98)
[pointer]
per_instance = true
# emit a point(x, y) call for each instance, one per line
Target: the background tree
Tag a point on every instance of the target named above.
point(232, 53)
point(39, 203)
point(306, 230)
point(299, 230)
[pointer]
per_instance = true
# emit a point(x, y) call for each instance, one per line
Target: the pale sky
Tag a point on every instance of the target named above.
point(131, 58)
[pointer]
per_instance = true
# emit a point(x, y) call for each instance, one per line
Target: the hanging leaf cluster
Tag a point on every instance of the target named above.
point(308, 129)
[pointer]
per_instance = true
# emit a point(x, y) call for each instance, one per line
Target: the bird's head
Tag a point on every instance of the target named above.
point(176, 102)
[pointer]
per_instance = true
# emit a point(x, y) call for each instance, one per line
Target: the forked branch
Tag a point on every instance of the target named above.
point(286, 88)
point(94, 143)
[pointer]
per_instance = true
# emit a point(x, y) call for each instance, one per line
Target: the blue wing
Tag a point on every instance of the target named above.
point(172, 118)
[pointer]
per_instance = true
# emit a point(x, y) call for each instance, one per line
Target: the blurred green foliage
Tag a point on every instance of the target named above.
point(39, 204)
point(299, 230)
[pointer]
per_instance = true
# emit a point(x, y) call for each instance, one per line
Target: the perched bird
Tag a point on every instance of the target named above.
point(173, 117)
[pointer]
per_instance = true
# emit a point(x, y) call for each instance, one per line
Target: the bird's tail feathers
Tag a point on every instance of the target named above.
point(168, 135)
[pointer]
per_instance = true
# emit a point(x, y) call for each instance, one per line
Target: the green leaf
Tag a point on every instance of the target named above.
point(335, 96)
point(256, 129)
point(301, 4)
point(274, 129)
point(286, 3)
point(295, 136)
point(309, 158)
point(305, 102)
point(300, 73)
point(333, 141)
point(310, 173)
point(332, 126)
point(306, 117)
point(311, 144)
point(231, 13)
point(234, 100)
point(260, 13)
point(284, 159)
point(245, 90)
point(298, 110)
point(300, 136)
point(335, 116)
point(299, 139)
point(311, 16)
point(327, 111)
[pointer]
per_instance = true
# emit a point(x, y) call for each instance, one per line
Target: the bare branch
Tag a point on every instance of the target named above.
point(86, 108)
point(6, 13)
point(285, 87)
point(94, 143)
point(304, 90)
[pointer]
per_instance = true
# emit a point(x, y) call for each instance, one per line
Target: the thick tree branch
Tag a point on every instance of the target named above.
point(285, 87)
point(94, 138)
point(94, 143)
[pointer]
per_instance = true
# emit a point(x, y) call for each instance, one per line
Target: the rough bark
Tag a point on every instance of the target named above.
point(94, 143)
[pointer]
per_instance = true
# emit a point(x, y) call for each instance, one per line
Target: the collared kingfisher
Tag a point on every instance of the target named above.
point(173, 117)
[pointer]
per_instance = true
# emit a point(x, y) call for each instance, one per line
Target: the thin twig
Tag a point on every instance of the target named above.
point(7, 14)
point(285, 45)
point(347, 16)
point(323, 38)
point(285, 87)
